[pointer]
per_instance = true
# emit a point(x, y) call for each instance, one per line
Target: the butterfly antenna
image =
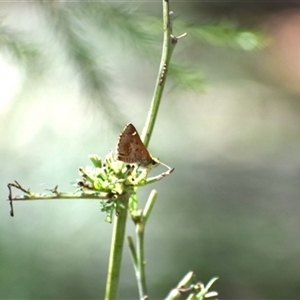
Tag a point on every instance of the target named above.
point(170, 170)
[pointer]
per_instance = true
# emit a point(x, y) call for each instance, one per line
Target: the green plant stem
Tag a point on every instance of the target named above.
point(149, 205)
point(132, 250)
point(137, 255)
point(140, 253)
point(141, 275)
point(64, 196)
point(169, 43)
point(115, 259)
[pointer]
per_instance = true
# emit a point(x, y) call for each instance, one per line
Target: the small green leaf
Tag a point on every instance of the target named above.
point(96, 160)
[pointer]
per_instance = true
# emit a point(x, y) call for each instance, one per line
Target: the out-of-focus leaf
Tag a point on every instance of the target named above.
point(186, 78)
point(75, 25)
point(227, 34)
point(124, 24)
point(83, 57)
point(25, 53)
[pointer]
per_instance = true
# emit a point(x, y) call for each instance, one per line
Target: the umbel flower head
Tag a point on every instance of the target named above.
point(111, 180)
point(111, 176)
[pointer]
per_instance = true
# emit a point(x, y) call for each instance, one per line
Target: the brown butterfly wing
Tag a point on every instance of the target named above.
point(131, 149)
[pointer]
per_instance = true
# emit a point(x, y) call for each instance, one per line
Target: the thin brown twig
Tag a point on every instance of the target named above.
point(53, 195)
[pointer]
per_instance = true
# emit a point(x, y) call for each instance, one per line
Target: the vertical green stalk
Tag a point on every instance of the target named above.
point(140, 267)
point(169, 43)
point(115, 259)
point(138, 253)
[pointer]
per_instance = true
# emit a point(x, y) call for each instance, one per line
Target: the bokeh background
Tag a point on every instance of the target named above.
point(231, 208)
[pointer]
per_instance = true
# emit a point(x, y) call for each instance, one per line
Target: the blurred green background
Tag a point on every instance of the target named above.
point(73, 74)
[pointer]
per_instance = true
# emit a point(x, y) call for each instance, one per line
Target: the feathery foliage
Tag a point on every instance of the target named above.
point(77, 26)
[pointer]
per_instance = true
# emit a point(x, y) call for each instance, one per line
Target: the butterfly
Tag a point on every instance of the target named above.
point(131, 149)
